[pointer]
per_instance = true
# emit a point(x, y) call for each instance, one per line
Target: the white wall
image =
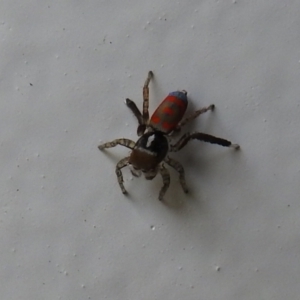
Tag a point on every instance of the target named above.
point(66, 230)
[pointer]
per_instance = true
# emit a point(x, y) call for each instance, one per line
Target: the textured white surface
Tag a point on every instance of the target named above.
point(66, 230)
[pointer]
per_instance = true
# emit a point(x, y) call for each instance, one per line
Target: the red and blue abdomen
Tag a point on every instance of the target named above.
point(170, 112)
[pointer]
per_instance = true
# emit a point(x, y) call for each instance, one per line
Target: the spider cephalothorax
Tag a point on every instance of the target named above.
point(150, 149)
point(150, 152)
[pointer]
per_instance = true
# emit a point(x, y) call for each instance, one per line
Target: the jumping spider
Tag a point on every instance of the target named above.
point(150, 153)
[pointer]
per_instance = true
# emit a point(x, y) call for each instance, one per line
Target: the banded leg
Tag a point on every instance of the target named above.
point(122, 142)
point(146, 97)
point(201, 137)
point(121, 164)
point(132, 106)
point(194, 116)
point(179, 168)
point(166, 181)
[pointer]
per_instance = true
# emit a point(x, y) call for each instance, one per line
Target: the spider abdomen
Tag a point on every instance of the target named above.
point(170, 112)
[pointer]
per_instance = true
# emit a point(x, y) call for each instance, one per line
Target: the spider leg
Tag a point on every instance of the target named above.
point(166, 181)
point(132, 106)
point(122, 142)
point(201, 137)
point(121, 164)
point(146, 97)
point(194, 116)
point(179, 168)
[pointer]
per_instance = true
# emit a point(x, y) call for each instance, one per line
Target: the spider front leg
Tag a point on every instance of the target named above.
point(132, 106)
point(121, 164)
point(179, 168)
point(201, 137)
point(194, 116)
point(142, 118)
point(122, 142)
point(166, 181)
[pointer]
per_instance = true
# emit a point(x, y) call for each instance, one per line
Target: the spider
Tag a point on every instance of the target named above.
point(150, 153)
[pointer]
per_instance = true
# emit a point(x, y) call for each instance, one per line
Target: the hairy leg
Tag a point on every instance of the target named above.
point(122, 142)
point(146, 97)
point(179, 168)
point(194, 116)
point(166, 181)
point(121, 164)
point(201, 137)
point(132, 106)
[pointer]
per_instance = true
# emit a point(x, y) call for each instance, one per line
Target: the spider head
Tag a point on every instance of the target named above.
point(150, 149)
